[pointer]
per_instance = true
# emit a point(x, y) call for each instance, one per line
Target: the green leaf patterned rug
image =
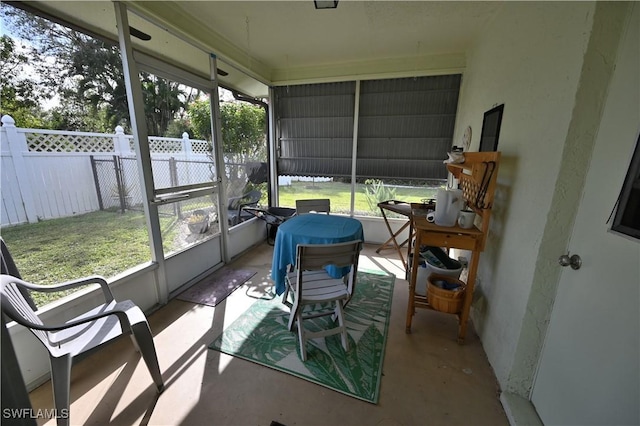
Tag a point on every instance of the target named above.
point(260, 335)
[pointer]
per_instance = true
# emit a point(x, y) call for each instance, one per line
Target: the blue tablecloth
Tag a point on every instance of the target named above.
point(310, 228)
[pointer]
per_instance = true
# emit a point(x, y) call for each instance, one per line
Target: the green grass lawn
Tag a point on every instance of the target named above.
point(103, 243)
point(340, 195)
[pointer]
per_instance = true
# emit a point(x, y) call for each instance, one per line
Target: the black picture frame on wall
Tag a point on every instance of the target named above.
point(627, 217)
point(491, 129)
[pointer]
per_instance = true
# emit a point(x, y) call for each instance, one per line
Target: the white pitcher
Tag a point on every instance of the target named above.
point(449, 202)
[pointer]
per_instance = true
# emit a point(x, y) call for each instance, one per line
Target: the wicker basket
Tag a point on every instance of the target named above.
point(443, 300)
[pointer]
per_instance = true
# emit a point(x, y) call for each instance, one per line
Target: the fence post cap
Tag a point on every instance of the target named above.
point(8, 120)
point(119, 130)
point(185, 135)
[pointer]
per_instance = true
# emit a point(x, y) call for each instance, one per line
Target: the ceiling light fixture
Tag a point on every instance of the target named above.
point(321, 4)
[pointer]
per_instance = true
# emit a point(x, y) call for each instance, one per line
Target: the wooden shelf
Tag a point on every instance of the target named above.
point(477, 178)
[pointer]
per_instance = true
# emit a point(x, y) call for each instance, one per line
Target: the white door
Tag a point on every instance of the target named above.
point(589, 368)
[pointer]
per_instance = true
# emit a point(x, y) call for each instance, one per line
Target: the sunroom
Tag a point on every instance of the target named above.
point(380, 92)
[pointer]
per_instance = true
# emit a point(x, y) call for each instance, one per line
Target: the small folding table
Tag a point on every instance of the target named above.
point(402, 208)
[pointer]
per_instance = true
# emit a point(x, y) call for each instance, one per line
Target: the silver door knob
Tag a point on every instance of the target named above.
point(574, 261)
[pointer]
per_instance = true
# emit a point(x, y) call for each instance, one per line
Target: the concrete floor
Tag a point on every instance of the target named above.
point(429, 379)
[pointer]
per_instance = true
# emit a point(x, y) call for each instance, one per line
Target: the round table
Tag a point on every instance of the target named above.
point(310, 228)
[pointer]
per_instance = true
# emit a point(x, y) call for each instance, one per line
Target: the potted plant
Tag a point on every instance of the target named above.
point(198, 222)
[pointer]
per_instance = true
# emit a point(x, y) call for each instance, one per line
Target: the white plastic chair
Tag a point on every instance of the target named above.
point(80, 335)
point(310, 284)
point(313, 206)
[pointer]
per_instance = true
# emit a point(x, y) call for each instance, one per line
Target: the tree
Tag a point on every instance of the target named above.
point(164, 101)
point(243, 136)
point(18, 91)
point(199, 112)
point(243, 127)
point(87, 75)
point(177, 127)
point(84, 72)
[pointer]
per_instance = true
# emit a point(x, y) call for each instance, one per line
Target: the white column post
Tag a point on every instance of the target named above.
point(121, 144)
point(186, 144)
point(188, 154)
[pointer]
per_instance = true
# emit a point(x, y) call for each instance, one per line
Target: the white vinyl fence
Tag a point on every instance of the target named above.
point(48, 174)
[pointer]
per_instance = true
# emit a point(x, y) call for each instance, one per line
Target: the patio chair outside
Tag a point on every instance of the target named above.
point(313, 206)
point(81, 335)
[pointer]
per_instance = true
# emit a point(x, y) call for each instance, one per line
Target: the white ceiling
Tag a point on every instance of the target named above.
point(294, 34)
point(284, 42)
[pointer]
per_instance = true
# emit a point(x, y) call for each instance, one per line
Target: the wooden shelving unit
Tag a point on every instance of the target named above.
point(477, 178)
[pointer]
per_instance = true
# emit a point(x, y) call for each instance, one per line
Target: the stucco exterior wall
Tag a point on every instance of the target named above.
point(595, 324)
point(530, 59)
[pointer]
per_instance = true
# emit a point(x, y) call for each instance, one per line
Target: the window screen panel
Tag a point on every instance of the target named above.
point(315, 129)
point(406, 127)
